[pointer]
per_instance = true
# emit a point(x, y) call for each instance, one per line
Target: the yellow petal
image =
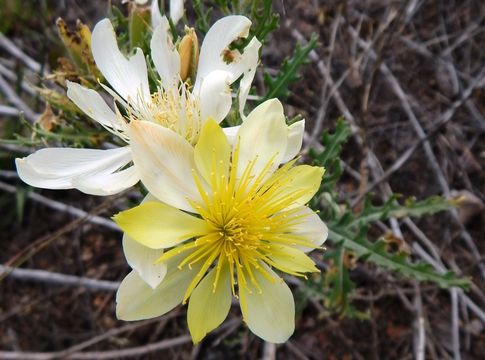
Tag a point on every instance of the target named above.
point(208, 308)
point(159, 226)
point(297, 186)
point(212, 152)
point(291, 260)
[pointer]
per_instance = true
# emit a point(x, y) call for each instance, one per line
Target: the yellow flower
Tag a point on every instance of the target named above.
point(241, 217)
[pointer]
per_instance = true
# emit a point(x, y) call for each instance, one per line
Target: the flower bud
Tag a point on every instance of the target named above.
point(189, 54)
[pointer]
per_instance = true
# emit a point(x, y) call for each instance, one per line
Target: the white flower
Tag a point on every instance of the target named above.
point(173, 105)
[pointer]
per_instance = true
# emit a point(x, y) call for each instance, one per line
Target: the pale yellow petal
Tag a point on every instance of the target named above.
point(311, 228)
point(208, 307)
point(136, 300)
point(263, 138)
point(270, 314)
point(158, 225)
point(165, 162)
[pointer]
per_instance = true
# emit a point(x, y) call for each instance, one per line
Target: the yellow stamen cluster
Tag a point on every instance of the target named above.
point(250, 220)
point(176, 109)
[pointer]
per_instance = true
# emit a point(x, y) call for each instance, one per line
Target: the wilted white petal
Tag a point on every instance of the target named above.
point(164, 54)
point(128, 77)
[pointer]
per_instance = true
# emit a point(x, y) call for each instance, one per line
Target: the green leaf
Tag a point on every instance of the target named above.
point(329, 156)
point(338, 286)
point(377, 254)
point(392, 209)
point(288, 73)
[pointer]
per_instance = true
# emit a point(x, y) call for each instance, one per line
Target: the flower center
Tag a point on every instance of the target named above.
point(249, 223)
point(176, 109)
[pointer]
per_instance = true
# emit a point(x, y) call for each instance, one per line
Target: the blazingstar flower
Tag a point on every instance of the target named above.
point(227, 217)
point(177, 105)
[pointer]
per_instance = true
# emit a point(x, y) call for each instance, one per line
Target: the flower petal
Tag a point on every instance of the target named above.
point(93, 105)
point(55, 168)
point(290, 259)
point(128, 77)
point(231, 134)
point(215, 96)
point(248, 64)
point(156, 15)
point(215, 44)
point(209, 305)
point(269, 312)
point(212, 153)
point(159, 226)
point(295, 140)
point(135, 300)
point(164, 54)
point(310, 227)
point(263, 137)
point(176, 10)
point(165, 162)
point(142, 259)
point(303, 181)
point(103, 183)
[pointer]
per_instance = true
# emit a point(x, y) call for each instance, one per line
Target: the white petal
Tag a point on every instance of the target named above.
point(93, 105)
point(295, 140)
point(176, 10)
point(156, 15)
point(269, 313)
point(127, 76)
point(135, 300)
point(142, 259)
point(216, 41)
point(55, 168)
point(215, 96)
point(263, 137)
point(248, 64)
point(165, 162)
point(231, 134)
point(164, 54)
point(107, 183)
point(311, 227)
